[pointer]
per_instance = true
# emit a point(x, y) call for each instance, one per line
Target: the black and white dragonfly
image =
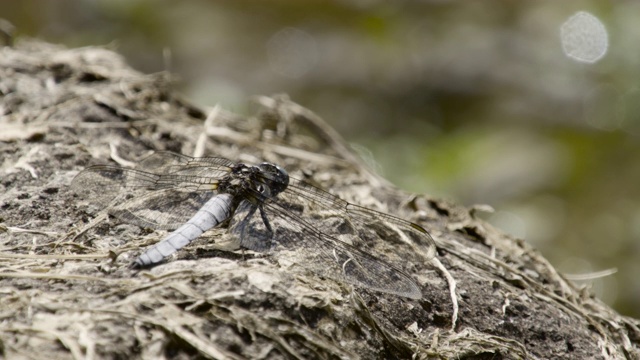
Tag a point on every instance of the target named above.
point(263, 208)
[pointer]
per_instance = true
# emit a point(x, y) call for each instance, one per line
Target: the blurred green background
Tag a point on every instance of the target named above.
point(477, 102)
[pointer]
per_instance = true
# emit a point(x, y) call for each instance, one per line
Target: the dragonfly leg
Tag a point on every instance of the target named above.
point(242, 226)
point(265, 220)
point(252, 235)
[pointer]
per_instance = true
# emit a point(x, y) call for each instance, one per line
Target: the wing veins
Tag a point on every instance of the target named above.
point(376, 277)
point(357, 214)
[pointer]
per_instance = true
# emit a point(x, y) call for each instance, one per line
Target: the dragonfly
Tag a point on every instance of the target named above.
point(263, 209)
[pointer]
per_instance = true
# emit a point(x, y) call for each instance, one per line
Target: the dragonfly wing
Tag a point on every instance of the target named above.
point(363, 219)
point(164, 209)
point(100, 185)
point(344, 261)
point(169, 163)
point(143, 198)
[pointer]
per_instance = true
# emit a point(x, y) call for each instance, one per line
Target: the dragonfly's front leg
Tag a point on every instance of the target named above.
point(241, 228)
point(252, 235)
point(265, 220)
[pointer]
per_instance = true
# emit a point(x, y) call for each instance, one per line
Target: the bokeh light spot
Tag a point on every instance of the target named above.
point(584, 38)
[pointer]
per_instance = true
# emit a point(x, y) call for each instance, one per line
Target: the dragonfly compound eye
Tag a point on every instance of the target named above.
point(275, 177)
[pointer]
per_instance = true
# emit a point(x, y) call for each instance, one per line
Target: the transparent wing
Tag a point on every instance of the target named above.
point(163, 209)
point(173, 188)
point(363, 219)
point(337, 258)
point(165, 162)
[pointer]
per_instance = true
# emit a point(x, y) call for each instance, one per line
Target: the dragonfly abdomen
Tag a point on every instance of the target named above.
point(211, 214)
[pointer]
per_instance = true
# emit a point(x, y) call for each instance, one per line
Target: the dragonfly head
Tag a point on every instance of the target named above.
point(273, 177)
